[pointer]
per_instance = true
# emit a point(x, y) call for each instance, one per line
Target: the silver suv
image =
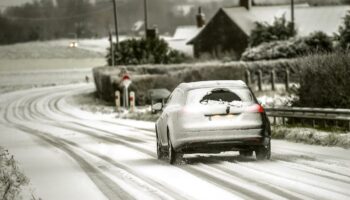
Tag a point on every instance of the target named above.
point(212, 117)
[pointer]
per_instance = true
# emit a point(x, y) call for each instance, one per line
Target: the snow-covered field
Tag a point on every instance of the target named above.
point(35, 64)
point(69, 153)
point(45, 63)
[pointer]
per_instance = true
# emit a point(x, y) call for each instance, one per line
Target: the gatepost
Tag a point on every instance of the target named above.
point(126, 82)
point(117, 100)
point(132, 101)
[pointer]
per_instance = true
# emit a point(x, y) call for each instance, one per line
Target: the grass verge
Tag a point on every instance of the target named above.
point(311, 136)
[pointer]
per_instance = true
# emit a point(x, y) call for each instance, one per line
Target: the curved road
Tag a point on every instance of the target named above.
point(72, 154)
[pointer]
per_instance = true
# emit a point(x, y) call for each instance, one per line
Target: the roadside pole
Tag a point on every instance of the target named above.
point(111, 48)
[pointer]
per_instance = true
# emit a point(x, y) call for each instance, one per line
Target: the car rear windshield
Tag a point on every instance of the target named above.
point(207, 96)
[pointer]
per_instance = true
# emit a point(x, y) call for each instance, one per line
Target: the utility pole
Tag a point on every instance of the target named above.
point(292, 13)
point(111, 48)
point(146, 17)
point(116, 22)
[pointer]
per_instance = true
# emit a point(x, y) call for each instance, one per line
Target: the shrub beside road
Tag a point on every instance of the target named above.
point(12, 180)
point(325, 81)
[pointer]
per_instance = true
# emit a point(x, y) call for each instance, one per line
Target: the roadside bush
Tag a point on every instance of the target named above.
point(317, 42)
point(281, 29)
point(145, 51)
point(324, 81)
point(11, 178)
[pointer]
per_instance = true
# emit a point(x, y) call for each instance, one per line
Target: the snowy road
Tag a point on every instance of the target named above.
point(71, 154)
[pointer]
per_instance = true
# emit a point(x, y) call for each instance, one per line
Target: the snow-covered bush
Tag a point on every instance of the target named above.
point(11, 178)
point(314, 43)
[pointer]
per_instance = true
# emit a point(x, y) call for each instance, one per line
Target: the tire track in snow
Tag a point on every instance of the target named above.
point(104, 183)
point(99, 179)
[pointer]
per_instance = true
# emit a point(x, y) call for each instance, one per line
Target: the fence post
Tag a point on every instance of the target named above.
point(287, 79)
point(260, 79)
point(247, 77)
point(132, 101)
point(273, 79)
point(117, 100)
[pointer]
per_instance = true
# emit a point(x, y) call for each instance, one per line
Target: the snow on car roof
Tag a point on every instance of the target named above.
point(206, 84)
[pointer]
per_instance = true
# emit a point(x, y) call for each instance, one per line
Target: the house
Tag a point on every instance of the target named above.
point(229, 29)
point(183, 34)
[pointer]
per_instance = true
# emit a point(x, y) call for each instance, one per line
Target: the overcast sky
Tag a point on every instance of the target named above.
point(17, 2)
point(13, 2)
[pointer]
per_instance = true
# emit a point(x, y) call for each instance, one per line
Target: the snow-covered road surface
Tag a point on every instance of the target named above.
point(72, 154)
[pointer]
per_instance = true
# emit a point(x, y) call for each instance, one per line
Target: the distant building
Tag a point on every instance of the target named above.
point(229, 29)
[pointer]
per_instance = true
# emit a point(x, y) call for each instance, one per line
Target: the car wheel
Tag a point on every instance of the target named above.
point(171, 152)
point(160, 152)
point(246, 153)
point(263, 152)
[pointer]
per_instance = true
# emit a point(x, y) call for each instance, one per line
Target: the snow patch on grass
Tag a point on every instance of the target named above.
point(89, 102)
point(311, 136)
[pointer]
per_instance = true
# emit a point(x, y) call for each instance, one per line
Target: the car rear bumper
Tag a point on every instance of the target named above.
point(218, 141)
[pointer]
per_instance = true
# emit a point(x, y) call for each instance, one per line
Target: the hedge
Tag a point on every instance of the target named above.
point(147, 77)
point(325, 81)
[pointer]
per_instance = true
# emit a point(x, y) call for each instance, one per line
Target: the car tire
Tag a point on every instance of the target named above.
point(246, 153)
point(171, 153)
point(160, 152)
point(263, 152)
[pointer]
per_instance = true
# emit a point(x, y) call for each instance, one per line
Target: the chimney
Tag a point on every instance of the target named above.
point(200, 18)
point(245, 3)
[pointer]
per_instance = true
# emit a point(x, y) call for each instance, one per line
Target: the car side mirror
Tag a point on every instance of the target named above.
point(157, 107)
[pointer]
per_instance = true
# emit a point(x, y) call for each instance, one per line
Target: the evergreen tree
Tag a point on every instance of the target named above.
point(344, 33)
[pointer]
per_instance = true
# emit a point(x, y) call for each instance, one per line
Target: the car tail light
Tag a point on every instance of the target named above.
point(255, 108)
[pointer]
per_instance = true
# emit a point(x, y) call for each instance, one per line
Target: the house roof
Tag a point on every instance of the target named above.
point(186, 32)
point(307, 19)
